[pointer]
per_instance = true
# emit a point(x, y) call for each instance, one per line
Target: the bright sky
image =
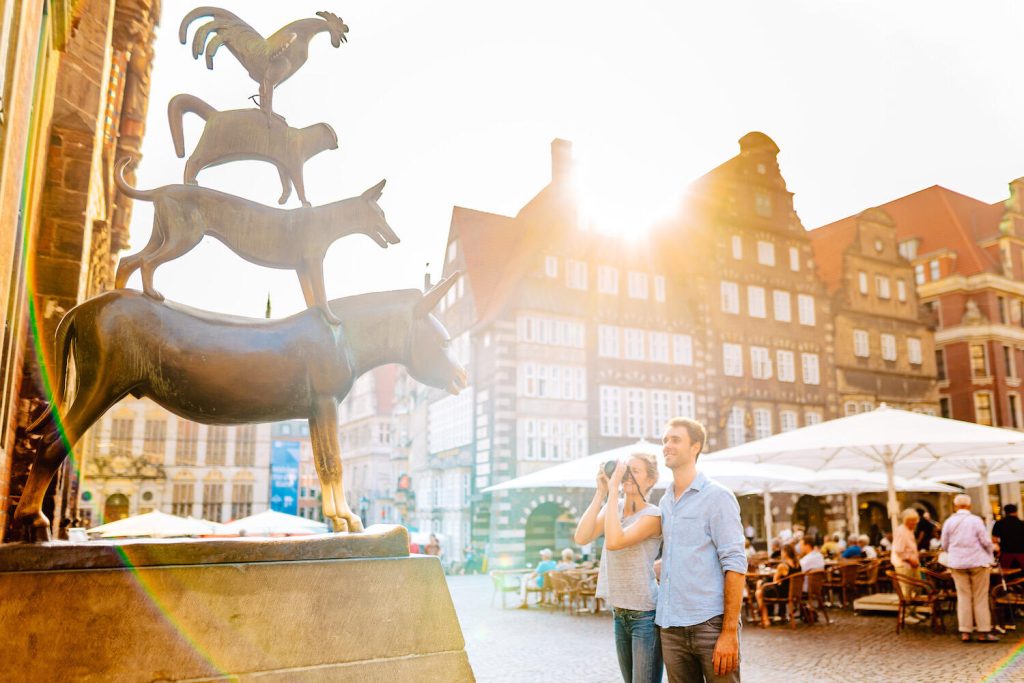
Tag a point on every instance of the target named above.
point(456, 102)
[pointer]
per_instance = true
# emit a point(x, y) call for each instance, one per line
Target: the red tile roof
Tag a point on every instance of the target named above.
point(940, 218)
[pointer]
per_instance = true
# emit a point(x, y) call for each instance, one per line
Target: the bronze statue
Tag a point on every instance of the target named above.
point(244, 134)
point(276, 238)
point(220, 369)
point(269, 61)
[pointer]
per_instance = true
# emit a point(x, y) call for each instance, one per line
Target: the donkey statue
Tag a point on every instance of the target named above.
point(220, 369)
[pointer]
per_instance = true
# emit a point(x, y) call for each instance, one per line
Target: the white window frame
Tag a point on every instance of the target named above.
point(762, 423)
point(782, 304)
point(760, 362)
point(788, 421)
point(682, 349)
point(756, 302)
point(636, 412)
point(786, 364)
point(737, 248)
point(811, 367)
point(888, 342)
point(608, 280)
point(637, 286)
point(659, 288)
point(861, 344)
point(882, 287)
point(633, 343)
point(862, 282)
point(730, 299)
point(608, 341)
point(766, 253)
point(685, 405)
point(732, 360)
point(659, 342)
point(551, 266)
point(576, 274)
point(735, 426)
point(919, 276)
point(610, 399)
point(934, 270)
point(794, 260)
point(901, 290)
point(805, 309)
point(812, 417)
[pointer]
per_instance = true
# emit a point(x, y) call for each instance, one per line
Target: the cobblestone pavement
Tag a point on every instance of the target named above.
point(541, 644)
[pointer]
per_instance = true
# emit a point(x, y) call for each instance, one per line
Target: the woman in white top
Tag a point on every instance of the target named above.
point(626, 577)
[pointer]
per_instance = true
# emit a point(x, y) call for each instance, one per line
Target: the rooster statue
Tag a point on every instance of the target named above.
point(269, 61)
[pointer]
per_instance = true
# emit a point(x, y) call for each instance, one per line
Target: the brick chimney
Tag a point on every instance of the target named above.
point(561, 160)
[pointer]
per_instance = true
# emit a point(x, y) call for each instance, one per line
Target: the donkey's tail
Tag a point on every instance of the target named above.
point(176, 109)
point(63, 338)
point(123, 185)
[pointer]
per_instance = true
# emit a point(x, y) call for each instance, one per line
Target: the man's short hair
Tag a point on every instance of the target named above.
point(908, 513)
point(1010, 509)
point(695, 430)
point(807, 539)
point(962, 500)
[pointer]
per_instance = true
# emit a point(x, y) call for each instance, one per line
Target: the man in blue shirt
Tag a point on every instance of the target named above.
point(703, 567)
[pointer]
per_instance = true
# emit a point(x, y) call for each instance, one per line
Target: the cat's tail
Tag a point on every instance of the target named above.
point(176, 109)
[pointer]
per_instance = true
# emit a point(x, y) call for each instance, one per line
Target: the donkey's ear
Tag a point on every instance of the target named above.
point(373, 194)
point(432, 298)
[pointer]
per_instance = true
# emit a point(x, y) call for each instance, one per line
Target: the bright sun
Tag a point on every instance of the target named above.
point(622, 196)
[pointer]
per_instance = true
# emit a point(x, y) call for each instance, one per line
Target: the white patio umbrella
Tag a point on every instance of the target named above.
point(741, 478)
point(886, 440)
point(854, 482)
point(982, 470)
point(154, 524)
point(274, 523)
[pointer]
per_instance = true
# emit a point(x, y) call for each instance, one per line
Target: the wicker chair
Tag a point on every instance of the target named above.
point(1008, 595)
point(867, 579)
point(843, 579)
point(793, 599)
point(587, 591)
point(815, 601)
point(915, 593)
point(564, 590)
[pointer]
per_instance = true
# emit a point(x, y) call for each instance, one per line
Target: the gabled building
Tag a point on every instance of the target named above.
point(968, 260)
point(884, 343)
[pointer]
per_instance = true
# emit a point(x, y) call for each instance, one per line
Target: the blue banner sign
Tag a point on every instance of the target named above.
point(284, 477)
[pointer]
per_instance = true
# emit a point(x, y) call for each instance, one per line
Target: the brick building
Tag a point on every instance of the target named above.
point(968, 262)
point(141, 458)
point(75, 93)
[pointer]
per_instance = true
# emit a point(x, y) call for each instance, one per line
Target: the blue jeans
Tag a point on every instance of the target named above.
point(689, 650)
point(638, 646)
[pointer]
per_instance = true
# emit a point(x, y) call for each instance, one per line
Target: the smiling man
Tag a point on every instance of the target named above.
point(703, 566)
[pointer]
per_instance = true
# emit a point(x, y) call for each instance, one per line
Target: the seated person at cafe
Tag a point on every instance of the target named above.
point(812, 558)
point(535, 579)
point(568, 560)
point(776, 549)
point(853, 551)
point(779, 586)
point(834, 546)
point(866, 547)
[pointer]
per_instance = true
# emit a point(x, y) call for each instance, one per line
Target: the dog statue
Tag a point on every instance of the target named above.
point(275, 238)
point(245, 134)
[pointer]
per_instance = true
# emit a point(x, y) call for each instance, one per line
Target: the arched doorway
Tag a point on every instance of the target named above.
point(922, 505)
point(810, 513)
point(549, 526)
point(115, 508)
point(874, 521)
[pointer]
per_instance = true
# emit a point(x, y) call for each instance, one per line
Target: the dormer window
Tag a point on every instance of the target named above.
point(908, 249)
point(763, 204)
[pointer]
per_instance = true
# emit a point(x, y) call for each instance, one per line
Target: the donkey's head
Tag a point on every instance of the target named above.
point(430, 359)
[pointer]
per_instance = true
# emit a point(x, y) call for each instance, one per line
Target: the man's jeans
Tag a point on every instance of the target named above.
point(688, 651)
point(638, 646)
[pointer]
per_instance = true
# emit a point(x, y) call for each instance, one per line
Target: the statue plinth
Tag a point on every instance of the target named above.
point(289, 609)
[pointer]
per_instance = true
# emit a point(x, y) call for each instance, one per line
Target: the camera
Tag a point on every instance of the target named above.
point(609, 467)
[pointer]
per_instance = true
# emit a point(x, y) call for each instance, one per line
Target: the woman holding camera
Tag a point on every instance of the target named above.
point(626, 578)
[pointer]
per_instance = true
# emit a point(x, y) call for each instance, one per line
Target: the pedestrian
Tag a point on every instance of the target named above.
point(905, 558)
point(1010, 532)
point(535, 579)
point(626, 579)
point(969, 554)
point(703, 569)
point(434, 546)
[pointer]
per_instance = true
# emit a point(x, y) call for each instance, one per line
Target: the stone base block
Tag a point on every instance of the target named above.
point(306, 620)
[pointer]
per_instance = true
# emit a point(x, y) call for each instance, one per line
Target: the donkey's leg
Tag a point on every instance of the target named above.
point(89, 405)
point(323, 429)
point(313, 270)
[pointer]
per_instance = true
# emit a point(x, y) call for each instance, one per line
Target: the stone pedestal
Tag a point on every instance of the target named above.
point(347, 607)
